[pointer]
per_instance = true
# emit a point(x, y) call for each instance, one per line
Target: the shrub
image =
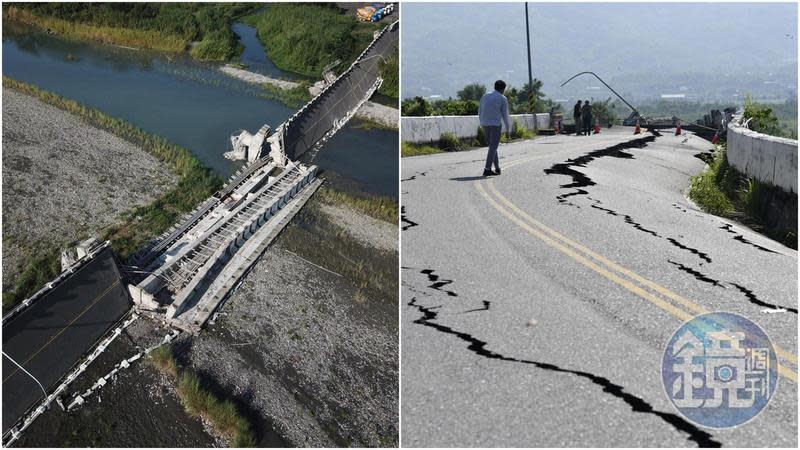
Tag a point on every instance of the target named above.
point(481, 137)
point(449, 142)
point(762, 119)
point(409, 149)
point(416, 107)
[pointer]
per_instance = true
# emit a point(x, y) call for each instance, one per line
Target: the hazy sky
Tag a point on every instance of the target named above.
point(447, 45)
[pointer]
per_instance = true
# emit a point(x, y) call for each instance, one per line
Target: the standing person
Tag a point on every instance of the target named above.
point(586, 117)
point(492, 113)
point(576, 113)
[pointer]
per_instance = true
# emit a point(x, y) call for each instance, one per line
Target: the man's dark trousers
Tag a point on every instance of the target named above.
point(587, 125)
point(493, 138)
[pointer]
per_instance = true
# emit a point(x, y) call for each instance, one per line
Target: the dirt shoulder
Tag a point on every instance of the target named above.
point(64, 180)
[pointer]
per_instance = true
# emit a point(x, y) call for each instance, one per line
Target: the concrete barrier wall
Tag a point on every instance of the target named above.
point(768, 158)
point(430, 129)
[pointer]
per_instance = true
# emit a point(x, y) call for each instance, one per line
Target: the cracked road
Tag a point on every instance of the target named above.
point(536, 305)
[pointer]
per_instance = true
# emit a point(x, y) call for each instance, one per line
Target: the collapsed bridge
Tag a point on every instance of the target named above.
point(183, 276)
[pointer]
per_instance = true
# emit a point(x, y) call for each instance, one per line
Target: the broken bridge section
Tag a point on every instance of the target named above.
point(323, 116)
point(51, 334)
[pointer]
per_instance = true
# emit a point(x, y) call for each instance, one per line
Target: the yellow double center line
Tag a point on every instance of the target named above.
point(669, 301)
point(99, 297)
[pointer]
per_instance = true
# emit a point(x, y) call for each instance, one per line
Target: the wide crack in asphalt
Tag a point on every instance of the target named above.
point(409, 223)
point(581, 180)
point(755, 300)
point(437, 282)
point(700, 276)
point(751, 297)
point(637, 404)
point(740, 237)
point(414, 177)
point(628, 219)
point(701, 255)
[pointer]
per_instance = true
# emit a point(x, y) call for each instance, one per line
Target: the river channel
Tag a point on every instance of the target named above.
point(191, 103)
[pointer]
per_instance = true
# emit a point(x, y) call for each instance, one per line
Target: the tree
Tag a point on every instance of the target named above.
point(472, 91)
point(762, 119)
point(416, 107)
point(604, 111)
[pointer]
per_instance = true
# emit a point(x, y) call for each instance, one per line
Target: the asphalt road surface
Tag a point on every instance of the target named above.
point(51, 335)
point(536, 305)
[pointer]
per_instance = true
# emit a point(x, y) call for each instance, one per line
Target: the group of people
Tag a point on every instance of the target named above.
point(583, 118)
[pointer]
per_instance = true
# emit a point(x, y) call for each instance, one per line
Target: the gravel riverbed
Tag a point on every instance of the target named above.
point(64, 180)
point(294, 346)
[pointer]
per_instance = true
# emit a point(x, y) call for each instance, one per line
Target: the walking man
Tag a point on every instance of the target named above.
point(492, 113)
point(586, 117)
point(576, 113)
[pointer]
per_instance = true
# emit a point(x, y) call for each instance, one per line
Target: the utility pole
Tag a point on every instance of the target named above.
point(530, 69)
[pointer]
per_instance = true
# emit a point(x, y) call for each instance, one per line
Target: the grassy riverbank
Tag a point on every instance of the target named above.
point(293, 98)
point(381, 208)
point(201, 403)
point(138, 226)
point(169, 27)
point(304, 38)
point(724, 191)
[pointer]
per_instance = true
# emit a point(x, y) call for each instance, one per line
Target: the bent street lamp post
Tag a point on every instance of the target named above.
point(606, 84)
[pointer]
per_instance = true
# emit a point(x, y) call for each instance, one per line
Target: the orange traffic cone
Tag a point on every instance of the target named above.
point(678, 130)
point(596, 127)
point(558, 127)
point(716, 138)
point(638, 130)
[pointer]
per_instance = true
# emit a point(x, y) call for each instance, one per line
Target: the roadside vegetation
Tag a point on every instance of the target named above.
point(304, 38)
point(724, 191)
point(468, 99)
point(201, 403)
point(170, 27)
point(409, 149)
point(138, 226)
point(763, 118)
point(449, 142)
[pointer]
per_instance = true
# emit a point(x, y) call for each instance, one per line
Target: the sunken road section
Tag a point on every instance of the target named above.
point(50, 336)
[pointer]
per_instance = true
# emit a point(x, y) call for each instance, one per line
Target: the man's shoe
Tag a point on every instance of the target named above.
point(497, 171)
point(487, 173)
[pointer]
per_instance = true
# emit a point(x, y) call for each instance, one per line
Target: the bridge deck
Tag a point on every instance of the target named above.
point(51, 335)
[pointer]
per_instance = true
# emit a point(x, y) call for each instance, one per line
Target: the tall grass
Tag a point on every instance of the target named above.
point(378, 207)
point(164, 360)
point(724, 191)
point(409, 149)
point(222, 414)
point(42, 268)
point(199, 402)
point(303, 38)
point(139, 38)
point(138, 226)
point(390, 72)
point(294, 97)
